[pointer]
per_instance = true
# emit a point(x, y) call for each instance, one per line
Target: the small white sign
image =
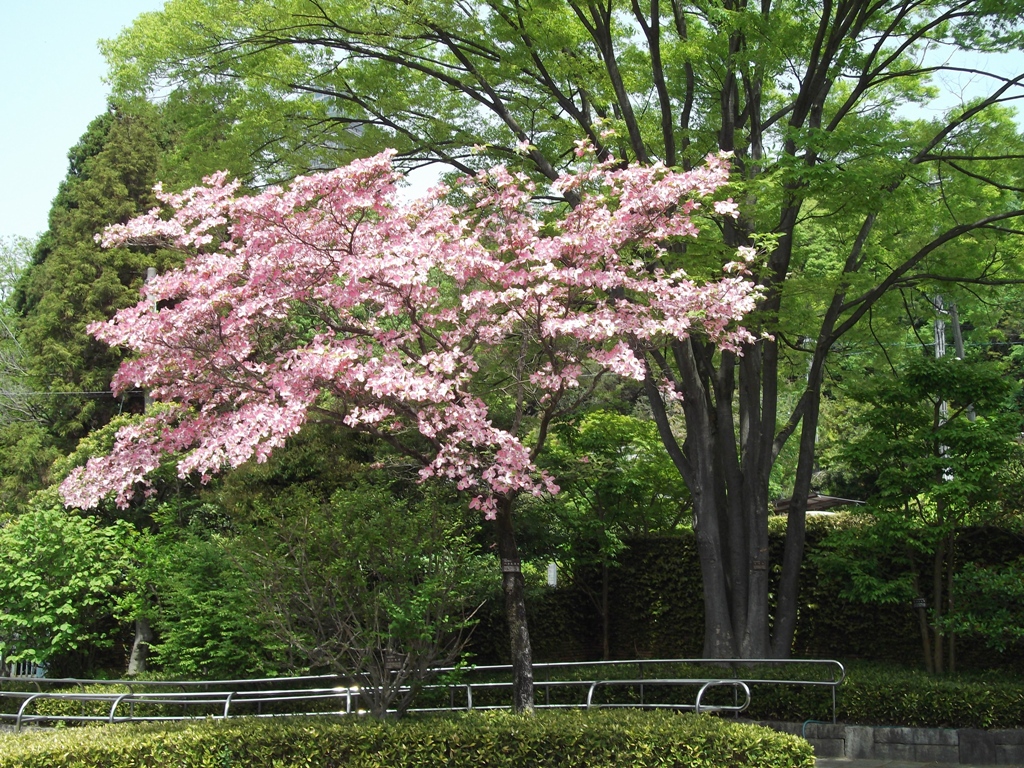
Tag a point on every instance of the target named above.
point(552, 574)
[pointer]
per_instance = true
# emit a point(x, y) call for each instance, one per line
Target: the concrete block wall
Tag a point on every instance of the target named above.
point(967, 746)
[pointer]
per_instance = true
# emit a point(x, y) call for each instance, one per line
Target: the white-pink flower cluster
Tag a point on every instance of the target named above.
point(334, 294)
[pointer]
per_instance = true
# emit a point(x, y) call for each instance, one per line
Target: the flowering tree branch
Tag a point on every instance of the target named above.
point(334, 296)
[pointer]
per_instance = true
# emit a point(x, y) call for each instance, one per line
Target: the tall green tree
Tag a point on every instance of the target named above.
point(932, 447)
point(822, 105)
point(63, 374)
point(72, 282)
point(16, 409)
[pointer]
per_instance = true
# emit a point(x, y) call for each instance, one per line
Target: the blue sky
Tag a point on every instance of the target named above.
point(50, 90)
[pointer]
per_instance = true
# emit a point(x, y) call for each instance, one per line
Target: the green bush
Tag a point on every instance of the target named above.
point(876, 695)
point(206, 620)
point(886, 695)
point(480, 740)
point(62, 580)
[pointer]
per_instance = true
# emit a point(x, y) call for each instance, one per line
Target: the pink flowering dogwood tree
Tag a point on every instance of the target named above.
point(334, 299)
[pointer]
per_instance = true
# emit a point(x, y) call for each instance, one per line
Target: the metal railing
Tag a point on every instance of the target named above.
point(223, 700)
point(588, 694)
point(581, 685)
point(206, 698)
point(641, 674)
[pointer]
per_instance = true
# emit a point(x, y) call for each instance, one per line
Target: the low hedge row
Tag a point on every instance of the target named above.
point(477, 740)
point(888, 696)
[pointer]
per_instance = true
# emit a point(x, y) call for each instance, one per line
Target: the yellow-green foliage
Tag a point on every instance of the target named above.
point(481, 740)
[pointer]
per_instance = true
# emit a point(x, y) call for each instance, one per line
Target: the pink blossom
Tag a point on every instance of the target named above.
point(334, 295)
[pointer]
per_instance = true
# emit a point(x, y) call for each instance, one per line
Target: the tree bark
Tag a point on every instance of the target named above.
point(514, 588)
point(140, 647)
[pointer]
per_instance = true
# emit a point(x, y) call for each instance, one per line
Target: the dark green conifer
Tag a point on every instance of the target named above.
point(72, 282)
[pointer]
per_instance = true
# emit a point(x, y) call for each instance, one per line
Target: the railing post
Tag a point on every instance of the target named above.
point(21, 709)
point(116, 703)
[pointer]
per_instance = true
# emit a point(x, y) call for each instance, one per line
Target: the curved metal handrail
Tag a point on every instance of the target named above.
point(117, 702)
point(21, 709)
point(723, 707)
point(836, 670)
point(669, 681)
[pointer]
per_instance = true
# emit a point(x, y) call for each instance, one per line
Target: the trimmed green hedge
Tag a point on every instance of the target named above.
point(876, 695)
point(478, 740)
point(886, 695)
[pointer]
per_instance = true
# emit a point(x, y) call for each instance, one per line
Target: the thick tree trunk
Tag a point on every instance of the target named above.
point(719, 639)
point(140, 647)
point(513, 586)
point(728, 486)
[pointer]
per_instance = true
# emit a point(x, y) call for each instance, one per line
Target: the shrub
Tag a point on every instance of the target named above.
point(62, 582)
point(369, 586)
point(206, 620)
point(888, 696)
point(480, 740)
